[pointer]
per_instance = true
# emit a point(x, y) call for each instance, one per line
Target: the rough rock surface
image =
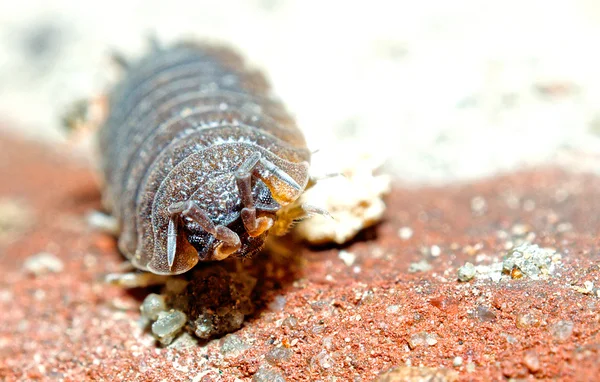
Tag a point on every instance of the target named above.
point(319, 314)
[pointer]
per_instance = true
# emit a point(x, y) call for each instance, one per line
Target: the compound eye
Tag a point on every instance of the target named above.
point(264, 200)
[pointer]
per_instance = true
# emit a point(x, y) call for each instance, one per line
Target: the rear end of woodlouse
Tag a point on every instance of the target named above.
point(200, 160)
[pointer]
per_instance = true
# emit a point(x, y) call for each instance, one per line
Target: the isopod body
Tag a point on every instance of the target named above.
point(199, 159)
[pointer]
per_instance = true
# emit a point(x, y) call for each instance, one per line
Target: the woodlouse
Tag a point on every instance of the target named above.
point(200, 161)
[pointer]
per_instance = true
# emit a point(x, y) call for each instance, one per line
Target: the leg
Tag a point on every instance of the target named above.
point(230, 241)
point(290, 216)
point(135, 279)
point(103, 222)
point(153, 42)
point(313, 180)
point(278, 173)
point(253, 224)
point(190, 209)
point(119, 60)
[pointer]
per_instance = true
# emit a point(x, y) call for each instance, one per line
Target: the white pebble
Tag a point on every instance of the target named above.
point(347, 257)
point(43, 263)
point(458, 361)
point(466, 272)
point(405, 233)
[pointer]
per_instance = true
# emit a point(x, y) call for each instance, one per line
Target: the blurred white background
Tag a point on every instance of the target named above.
point(444, 89)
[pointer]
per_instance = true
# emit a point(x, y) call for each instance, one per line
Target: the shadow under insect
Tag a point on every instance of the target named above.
point(216, 298)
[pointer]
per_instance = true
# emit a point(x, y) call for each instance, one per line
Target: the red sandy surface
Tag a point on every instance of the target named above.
point(331, 320)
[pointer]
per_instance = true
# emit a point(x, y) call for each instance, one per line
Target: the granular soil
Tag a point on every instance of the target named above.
point(390, 299)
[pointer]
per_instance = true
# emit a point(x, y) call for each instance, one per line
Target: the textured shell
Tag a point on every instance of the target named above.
point(180, 123)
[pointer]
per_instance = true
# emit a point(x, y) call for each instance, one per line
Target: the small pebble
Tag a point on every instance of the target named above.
point(15, 218)
point(324, 360)
point(422, 339)
point(153, 304)
point(43, 263)
point(520, 229)
point(509, 338)
point(168, 323)
point(266, 373)
point(527, 320)
point(367, 297)
point(290, 322)
point(278, 354)
point(529, 260)
point(484, 314)
point(478, 206)
point(562, 330)
point(466, 272)
point(278, 303)
point(405, 233)
point(458, 361)
point(184, 341)
point(564, 227)
point(531, 361)
point(347, 257)
point(431, 340)
point(327, 342)
point(421, 266)
point(232, 345)
point(393, 309)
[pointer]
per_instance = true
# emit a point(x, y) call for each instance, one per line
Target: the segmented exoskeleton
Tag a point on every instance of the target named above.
point(199, 159)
